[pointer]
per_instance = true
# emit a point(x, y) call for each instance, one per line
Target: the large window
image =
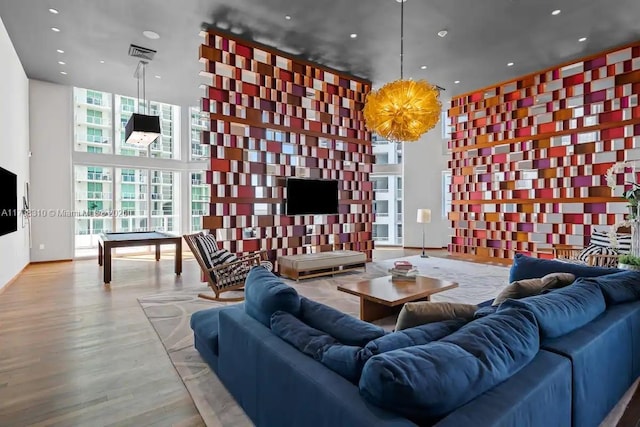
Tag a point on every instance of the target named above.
point(93, 206)
point(387, 186)
point(200, 198)
point(96, 123)
point(164, 211)
point(446, 193)
point(198, 124)
point(110, 196)
point(92, 114)
point(132, 206)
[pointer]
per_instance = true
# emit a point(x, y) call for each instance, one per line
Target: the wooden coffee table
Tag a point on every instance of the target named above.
point(382, 297)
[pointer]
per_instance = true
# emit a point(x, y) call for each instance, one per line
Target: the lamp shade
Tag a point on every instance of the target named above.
point(424, 216)
point(142, 130)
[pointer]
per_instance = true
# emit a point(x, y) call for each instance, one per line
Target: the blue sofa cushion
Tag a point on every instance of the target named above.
point(324, 348)
point(620, 287)
point(343, 327)
point(484, 311)
point(563, 310)
point(418, 335)
point(525, 267)
point(429, 381)
point(265, 294)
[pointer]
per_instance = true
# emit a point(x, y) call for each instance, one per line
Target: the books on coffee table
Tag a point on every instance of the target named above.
point(403, 270)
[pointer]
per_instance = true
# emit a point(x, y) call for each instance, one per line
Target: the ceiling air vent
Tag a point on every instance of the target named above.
point(141, 52)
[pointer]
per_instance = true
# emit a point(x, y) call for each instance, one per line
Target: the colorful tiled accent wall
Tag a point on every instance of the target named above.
point(275, 116)
point(528, 156)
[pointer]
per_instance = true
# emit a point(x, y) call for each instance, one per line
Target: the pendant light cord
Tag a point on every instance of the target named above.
point(402, 38)
point(139, 72)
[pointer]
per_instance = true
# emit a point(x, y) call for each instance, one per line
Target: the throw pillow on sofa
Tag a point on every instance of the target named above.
point(426, 382)
point(594, 249)
point(265, 294)
point(563, 310)
point(529, 287)
point(525, 267)
point(343, 327)
point(419, 313)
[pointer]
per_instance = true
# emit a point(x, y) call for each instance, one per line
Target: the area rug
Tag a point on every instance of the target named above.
point(169, 313)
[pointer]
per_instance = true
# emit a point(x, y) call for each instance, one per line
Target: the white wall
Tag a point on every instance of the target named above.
point(51, 124)
point(14, 150)
point(424, 161)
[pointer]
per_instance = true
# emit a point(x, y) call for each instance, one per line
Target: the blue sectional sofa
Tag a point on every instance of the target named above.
point(559, 359)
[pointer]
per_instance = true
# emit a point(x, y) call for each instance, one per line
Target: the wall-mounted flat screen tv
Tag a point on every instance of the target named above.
point(311, 196)
point(8, 202)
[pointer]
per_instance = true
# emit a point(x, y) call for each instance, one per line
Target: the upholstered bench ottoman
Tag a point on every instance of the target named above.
point(320, 264)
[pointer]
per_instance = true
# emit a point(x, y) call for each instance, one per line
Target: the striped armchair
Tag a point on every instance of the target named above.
point(221, 269)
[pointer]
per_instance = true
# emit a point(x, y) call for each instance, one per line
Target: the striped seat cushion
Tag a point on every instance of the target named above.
point(233, 275)
point(207, 246)
point(593, 249)
point(222, 256)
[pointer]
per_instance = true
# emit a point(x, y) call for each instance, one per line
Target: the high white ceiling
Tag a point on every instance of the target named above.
point(484, 35)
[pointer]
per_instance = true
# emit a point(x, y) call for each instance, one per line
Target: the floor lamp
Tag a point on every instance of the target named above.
point(424, 217)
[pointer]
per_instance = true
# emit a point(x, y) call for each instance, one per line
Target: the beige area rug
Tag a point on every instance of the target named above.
point(169, 313)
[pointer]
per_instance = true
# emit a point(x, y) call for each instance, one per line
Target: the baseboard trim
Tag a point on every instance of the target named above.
point(433, 248)
point(51, 262)
point(13, 279)
point(481, 259)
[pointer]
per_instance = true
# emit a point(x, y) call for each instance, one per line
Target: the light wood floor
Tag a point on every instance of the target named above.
point(74, 352)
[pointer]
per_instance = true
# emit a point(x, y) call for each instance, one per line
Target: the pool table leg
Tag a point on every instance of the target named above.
point(179, 257)
point(107, 263)
point(157, 252)
point(100, 253)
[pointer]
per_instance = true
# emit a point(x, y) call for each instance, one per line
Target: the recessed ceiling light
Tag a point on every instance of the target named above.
point(151, 35)
point(54, 11)
point(287, 17)
point(158, 77)
point(60, 51)
point(61, 62)
point(582, 39)
point(556, 12)
point(401, 1)
point(423, 67)
point(457, 81)
point(509, 64)
point(56, 30)
point(442, 33)
point(353, 35)
point(63, 73)
point(102, 61)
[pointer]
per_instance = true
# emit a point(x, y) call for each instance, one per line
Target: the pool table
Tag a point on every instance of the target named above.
point(107, 241)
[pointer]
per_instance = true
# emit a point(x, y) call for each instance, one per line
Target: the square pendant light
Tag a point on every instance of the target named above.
point(142, 130)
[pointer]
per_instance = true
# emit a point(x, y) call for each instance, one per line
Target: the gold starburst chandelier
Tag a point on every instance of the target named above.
point(403, 110)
